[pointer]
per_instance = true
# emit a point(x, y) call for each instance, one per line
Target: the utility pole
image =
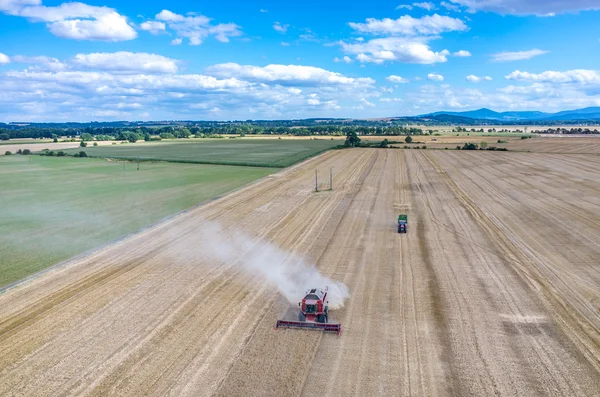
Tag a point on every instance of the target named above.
point(138, 163)
point(331, 179)
point(316, 182)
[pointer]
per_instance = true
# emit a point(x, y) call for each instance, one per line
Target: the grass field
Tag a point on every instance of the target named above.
point(56, 208)
point(257, 152)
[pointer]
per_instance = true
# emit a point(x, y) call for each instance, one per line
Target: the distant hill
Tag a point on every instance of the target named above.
point(591, 113)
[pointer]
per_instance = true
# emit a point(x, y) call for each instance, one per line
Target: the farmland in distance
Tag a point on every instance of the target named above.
point(55, 208)
point(247, 152)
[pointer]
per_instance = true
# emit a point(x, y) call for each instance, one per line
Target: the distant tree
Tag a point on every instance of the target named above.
point(408, 139)
point(7, 153)
point(384, 143)
point(133, 137)
point(352, 139)
point(4, 136)
point(61, 154)
point(55, 140)
point(82, 154)
point(167, 135)
point(86, 137)
point(19, 151)
point(483, 145)
point(147, 137)
point(95, 143)
point(82, 144)
point(182, 133)
point(470, 146)
point(26, 152)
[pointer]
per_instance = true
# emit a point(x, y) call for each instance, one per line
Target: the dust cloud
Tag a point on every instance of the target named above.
point(289, 273)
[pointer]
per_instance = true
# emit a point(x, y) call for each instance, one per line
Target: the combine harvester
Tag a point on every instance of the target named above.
point(313, 314)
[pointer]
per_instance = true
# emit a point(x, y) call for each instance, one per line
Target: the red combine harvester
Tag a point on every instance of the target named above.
point(314, 313)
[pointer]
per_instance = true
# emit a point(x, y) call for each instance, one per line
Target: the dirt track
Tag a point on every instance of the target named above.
point(495, 290)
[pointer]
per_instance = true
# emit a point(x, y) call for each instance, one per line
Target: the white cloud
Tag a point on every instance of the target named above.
point(407, 39)
point(287, 75)
point(195, 28)
point(74, 20)
point(407, 25)
point(536, 96)
point(44, 62)
point(4, 59)
point(111, 27)
point(408, 50)
point(396, 79)
point(365, 102)
point(390, 100)
point(345, 59)
point(263, 10)
point(529, 7)
point(285, 44)
point(580, 76)
point(13, 7)
point(128, 61)
point(154, 27)
point(435, 77)
point(309, 35)
point(425, 5)
point(100, 81)
point(92, 92)
point(517, 55)
point(462, 54)
point(449, 6)
point(476, 79)
point(280, 28)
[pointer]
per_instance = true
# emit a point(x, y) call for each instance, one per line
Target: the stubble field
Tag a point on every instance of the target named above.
point(493, 291)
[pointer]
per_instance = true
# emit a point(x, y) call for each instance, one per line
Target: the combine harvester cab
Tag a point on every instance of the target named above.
point(313, 314)
point(402, 223)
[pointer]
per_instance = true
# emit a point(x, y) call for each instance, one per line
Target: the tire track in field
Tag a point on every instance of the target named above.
point(548, 357)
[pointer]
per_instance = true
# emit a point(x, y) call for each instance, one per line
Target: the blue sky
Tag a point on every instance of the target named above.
point(224, 60)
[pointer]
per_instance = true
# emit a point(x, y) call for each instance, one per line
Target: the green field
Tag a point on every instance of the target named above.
point(55, 208)
point(245, 151)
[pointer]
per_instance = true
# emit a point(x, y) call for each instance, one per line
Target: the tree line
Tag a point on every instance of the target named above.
point(170, 132)
point(568, 131)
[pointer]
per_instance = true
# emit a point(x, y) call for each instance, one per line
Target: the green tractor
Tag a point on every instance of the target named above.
point(402, 223)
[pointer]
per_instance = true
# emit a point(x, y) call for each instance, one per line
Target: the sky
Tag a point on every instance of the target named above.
point(103, 60)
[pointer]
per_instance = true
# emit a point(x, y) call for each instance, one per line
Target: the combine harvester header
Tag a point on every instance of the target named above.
point(313, 314)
